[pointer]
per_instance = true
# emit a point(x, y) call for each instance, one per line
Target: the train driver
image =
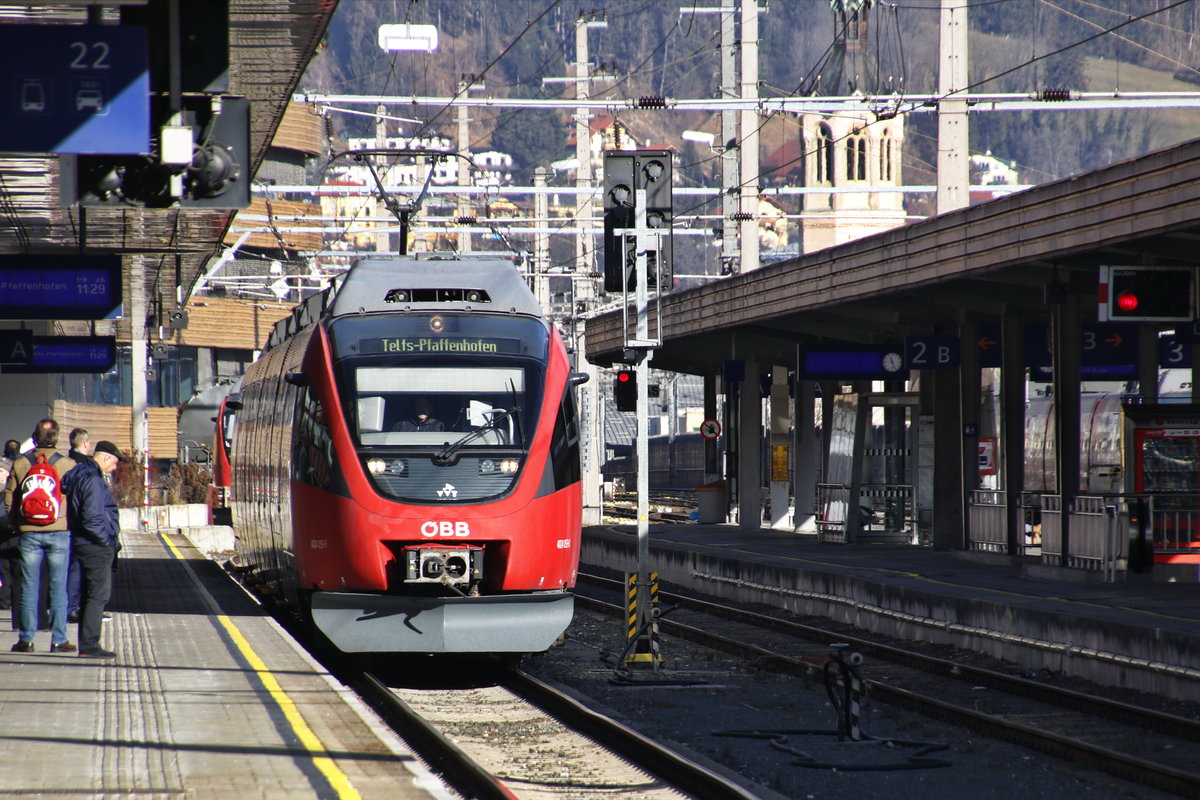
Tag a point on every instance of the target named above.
point(423, 419)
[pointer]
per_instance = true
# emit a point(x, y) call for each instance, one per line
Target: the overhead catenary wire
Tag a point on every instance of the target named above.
point(912, 109)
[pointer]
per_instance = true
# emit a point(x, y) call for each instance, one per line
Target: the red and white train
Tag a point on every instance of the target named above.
point(453, 534)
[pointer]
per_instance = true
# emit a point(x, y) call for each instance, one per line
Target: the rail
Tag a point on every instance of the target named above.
point(656, 759)
point(1040, 729)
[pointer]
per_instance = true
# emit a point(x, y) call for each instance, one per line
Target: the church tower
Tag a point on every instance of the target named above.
point(850, 150)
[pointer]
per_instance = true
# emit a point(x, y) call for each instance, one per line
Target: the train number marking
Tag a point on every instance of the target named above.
point(319, 544)
point(563, 544)
point(445, 529)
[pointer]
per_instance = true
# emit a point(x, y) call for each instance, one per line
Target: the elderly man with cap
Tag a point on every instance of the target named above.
point(94, 524)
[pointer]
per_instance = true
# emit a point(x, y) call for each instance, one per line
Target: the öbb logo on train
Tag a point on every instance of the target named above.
point(445, 528)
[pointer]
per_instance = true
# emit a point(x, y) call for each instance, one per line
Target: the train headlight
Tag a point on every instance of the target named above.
point(437, 324)
point(378, 466)
point(487, 466)
point(509, 466)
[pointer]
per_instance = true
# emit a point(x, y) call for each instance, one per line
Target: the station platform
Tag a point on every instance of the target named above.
point(208, 698)
point(1135, 633)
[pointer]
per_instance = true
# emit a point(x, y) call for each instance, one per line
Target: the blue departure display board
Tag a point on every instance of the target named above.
point(70, 354)
point(74, 89)
point(59, 287)
point(876, 362)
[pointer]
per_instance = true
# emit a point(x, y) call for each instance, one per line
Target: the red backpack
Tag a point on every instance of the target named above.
point(41, 492)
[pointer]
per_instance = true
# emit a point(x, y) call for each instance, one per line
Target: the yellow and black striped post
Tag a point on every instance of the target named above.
point(642, 620)
point(631, 606)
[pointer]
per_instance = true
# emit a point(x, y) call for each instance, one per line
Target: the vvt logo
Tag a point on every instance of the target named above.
point(448, 492)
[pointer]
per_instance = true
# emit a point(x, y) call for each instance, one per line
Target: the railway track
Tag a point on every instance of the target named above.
point(1142, 745)
point(493, 732)
point(664, 506)
point(508, 735)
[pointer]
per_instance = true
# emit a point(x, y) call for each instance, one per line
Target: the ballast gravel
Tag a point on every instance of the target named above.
point(779, 735)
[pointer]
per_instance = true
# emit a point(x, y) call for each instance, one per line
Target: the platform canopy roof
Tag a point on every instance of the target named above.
point(270, 44)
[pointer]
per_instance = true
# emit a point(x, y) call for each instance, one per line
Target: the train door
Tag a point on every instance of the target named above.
point(1165, 441)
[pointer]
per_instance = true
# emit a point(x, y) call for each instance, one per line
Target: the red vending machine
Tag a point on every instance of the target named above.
point(1165, 459)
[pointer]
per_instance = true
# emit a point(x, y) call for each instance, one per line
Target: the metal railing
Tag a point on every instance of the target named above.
point(988, 514)
point(987, 511)
point(1174, 521)
point(1098, 527)
point(1105, 527)
point(885, 512)
point(888, 512)
point(833, 509)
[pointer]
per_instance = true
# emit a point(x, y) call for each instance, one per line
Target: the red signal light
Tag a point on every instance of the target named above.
point(625, 390)
point(1127, 301)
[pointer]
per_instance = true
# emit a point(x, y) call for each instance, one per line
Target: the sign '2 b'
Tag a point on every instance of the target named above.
point(931, 352)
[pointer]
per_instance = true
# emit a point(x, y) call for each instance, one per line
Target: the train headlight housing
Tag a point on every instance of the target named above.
point(379, 466)
point(505, 466)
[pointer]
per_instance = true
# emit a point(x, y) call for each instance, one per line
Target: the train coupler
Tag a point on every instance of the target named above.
point(450, 566)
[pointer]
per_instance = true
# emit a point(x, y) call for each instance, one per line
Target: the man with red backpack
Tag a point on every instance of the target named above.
point(35, 503)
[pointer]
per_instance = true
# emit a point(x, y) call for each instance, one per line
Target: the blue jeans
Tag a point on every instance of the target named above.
point(55, 548)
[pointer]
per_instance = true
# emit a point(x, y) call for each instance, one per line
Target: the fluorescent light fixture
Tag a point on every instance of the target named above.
point(700, 136)
point(408, 37)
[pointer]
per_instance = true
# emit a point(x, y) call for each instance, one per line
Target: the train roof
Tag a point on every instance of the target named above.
point(432, 283)
point(419, 282)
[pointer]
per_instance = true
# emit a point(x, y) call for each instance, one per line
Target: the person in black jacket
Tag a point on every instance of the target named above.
point(9, 554)
point(81, 450)
point(423, 419)
point(95, 527)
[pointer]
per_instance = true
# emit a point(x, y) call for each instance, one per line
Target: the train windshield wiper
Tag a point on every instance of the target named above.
point(444, 456)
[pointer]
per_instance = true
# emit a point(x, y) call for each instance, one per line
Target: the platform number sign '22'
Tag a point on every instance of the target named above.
point(75, 89)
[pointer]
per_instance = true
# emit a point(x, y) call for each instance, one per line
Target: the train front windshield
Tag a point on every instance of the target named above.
point(444, 406)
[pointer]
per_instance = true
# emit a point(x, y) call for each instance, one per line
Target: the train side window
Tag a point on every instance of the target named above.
point(312, 456)
point(564, 446)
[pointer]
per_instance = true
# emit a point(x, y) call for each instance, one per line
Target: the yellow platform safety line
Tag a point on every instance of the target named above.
point(338, 780)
